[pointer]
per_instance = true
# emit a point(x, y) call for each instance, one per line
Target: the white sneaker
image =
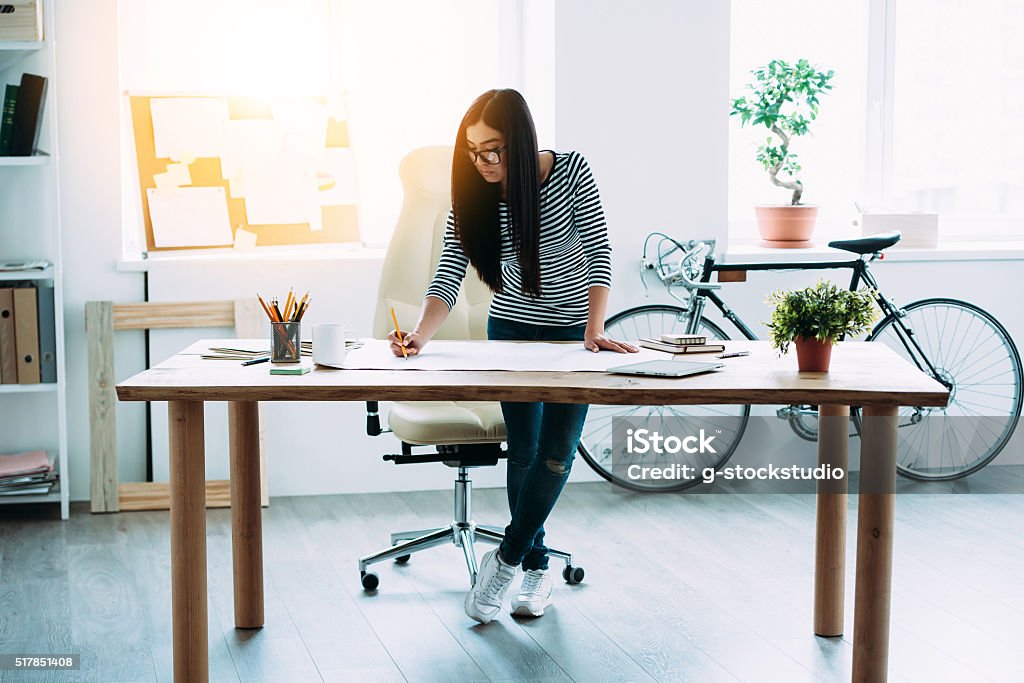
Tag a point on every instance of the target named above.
point(535, 593)
point(483, 601)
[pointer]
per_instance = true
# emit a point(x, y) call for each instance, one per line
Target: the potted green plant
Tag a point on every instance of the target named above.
point(815, 318)
point(783, 99)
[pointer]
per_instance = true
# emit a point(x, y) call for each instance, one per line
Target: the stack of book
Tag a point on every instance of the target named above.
point(227, 353)
point(28, 338)
point(26, 473)
point(21, 118)
point(681, 343)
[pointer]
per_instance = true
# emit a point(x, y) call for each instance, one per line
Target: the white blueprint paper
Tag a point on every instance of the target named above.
point(494, 355)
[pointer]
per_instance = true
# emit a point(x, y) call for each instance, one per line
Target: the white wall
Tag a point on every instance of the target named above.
point(625, 98)
point(642, 91)
point(90, 188)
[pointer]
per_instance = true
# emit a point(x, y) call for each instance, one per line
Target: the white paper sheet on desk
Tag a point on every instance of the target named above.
point(493, 355)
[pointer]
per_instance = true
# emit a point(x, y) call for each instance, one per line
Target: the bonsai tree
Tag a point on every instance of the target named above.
point(823, 312)
point(784, 99)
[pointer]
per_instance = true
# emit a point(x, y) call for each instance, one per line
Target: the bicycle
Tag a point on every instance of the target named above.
point(958, 343)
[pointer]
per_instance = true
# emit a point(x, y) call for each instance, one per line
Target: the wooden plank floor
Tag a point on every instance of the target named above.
point(678, 587)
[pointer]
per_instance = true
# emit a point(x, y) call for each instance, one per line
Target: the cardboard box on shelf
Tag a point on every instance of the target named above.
point(21, 20)
point(920, 230)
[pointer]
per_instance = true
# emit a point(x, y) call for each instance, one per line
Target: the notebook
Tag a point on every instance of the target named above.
point(658, 345)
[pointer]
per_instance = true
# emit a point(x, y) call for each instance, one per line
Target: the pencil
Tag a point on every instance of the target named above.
point(398, 332)
point(301, 308)
point(277, 311)
point(305, 307)
point(266, 309)
point(288, 304)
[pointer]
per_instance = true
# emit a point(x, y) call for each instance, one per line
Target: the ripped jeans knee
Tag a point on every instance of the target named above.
point(559, 467)
point(519, 460)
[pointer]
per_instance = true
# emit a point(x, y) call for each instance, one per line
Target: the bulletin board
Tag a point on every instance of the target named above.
point(244, 171)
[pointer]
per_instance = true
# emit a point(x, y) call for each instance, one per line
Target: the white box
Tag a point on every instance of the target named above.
point(920, 230)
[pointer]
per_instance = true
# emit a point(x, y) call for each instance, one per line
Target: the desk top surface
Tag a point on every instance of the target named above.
point(861, 373)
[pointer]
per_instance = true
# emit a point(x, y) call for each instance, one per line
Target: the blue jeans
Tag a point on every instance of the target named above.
point(542, 440)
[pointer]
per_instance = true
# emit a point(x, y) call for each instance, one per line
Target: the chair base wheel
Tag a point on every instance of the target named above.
point(573, 575)
point(402, 559)
point(370, 581)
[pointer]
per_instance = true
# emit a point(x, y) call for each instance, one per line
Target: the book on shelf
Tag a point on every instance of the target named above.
point(659, 345)
point(8, 351)
point(28, 335)
point(7, 119)
point(28, 115)
point(47, 333)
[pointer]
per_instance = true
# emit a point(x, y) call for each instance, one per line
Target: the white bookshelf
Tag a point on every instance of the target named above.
point(35, 415)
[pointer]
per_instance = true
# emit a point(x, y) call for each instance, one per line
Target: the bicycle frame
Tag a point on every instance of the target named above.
point(861, 273)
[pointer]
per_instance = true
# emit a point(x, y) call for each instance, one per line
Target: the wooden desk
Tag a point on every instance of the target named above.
point(862, 374)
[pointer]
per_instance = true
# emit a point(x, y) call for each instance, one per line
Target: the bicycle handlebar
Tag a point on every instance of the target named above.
point(676, 273)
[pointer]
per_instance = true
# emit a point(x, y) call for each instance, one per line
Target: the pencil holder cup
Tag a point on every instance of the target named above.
point(285, 342)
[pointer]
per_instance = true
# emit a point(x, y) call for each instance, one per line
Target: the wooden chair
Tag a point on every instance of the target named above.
point(102, 319)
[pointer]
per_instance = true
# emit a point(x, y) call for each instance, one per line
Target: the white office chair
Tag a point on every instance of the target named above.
point(465, 434)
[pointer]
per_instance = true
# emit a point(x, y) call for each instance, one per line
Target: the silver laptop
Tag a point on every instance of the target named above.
point(666, 368)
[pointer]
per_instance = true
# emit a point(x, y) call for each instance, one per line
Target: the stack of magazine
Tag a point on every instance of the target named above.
point(243, 354)
point(25, 473)
point(676, 343)
point(226, 353)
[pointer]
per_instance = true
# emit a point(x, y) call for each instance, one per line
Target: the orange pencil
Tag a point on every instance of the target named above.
point(398, 332)
point(289, 300)
point(266, 309)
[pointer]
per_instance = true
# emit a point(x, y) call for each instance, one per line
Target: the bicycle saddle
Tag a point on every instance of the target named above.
point(868, 245)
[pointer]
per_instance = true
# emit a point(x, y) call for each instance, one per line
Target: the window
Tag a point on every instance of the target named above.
point(924, 116)
point(407, 70)
point(830, 36)
point(957, 140)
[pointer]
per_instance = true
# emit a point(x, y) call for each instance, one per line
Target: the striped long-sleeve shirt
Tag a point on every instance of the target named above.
point(574, 252)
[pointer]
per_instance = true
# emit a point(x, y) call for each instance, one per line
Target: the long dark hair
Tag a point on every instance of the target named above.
point(475, 201)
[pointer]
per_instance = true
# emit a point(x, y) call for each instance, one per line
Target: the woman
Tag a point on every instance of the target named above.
point(532, 226)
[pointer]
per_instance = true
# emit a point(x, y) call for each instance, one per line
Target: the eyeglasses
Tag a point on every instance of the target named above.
point(490, 157)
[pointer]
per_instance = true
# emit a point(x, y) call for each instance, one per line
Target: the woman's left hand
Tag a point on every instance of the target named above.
point(596, 341)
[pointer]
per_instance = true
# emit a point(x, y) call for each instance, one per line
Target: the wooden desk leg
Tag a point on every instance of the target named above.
point(874, 544)
point(830, 543)
point(188, 541)
point(246, 520)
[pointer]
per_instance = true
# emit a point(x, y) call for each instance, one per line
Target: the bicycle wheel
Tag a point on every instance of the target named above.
point(596, 445)
point(975, 357)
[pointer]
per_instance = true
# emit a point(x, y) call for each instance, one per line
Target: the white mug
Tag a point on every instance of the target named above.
point(329, 344)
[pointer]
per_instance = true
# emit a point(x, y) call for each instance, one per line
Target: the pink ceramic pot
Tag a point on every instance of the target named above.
point(786, 226)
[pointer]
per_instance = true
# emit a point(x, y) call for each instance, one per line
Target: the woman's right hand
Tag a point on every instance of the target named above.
point(414, 342)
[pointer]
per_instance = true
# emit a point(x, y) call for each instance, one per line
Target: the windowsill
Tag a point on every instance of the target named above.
point(748, 251)
point(312, 252)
